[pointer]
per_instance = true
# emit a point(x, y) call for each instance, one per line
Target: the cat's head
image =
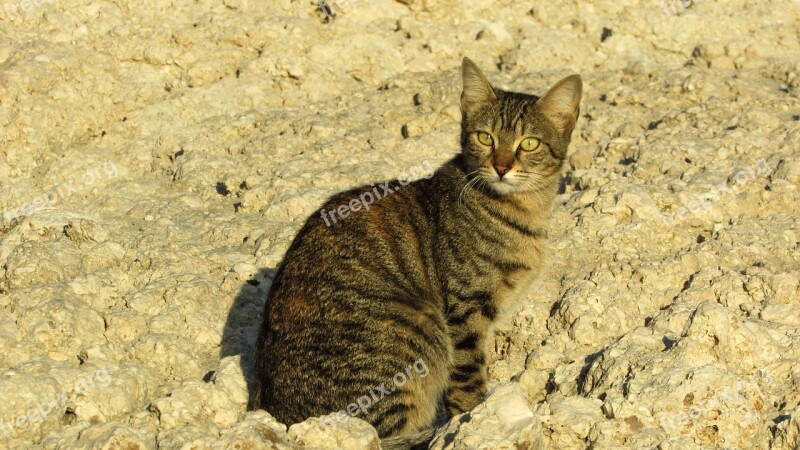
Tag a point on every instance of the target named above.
point(516, 142)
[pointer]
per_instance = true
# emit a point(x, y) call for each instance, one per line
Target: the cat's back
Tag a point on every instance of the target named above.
point(387, 224)
point(355, 298)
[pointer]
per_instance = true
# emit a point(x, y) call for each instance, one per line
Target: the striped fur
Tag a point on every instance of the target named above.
point(421, 275)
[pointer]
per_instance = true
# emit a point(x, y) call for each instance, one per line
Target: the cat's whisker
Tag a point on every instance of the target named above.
point(463, 190)
point(467, 175)
point(462, 193)
point(478, 180)
point(484, 183)
point(536, 189)
point(531, 185)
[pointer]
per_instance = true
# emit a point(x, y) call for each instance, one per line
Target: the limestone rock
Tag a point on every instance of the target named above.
point(157, 161)
point(503, 421)
point(333, 432)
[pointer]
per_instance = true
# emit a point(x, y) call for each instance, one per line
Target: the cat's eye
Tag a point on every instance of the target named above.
point(485, 138)
point(529, 144)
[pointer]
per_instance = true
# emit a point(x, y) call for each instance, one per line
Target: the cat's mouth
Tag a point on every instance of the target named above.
point(488, 178)
point(504, 185)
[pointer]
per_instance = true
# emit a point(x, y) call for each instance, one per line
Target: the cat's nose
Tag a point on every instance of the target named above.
point(501, 169)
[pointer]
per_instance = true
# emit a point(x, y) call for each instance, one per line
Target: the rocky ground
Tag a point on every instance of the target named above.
point(157, 157)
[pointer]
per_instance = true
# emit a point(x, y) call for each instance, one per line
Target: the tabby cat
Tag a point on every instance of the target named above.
point(419, 278)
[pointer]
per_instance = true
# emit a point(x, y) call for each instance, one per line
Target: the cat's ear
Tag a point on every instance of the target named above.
point(477, 90)
point(562, 103)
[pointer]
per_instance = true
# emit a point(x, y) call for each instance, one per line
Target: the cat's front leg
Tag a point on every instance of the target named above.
point(467, 386)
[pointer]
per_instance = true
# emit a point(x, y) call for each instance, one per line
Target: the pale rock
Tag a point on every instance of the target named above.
point(671, 275)
point(189, 437)
point(229, 378)
point(63, 327)
point(125, 326)
point(722, 63)
point(221, 401)
point(112, 437)
point(574, 416)
point(785, 287)
point(788, 169)
point(783, 314)
point(787, 432)
point(418, 126)
point(582, 157)
point(257, 198)
point(497, 33)
point(503, 421)
point(290, 208)
point(334, 432)
point(258, 429)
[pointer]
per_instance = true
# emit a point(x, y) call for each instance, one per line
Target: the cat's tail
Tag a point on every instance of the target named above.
point(411, 441)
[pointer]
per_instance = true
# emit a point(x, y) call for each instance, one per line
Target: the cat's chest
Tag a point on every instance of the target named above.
point(514, 279)
point(512, 291)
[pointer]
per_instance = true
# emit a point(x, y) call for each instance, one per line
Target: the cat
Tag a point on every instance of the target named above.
point(421, 277)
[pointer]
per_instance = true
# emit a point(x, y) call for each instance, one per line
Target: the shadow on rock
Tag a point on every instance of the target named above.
point(244, 319)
